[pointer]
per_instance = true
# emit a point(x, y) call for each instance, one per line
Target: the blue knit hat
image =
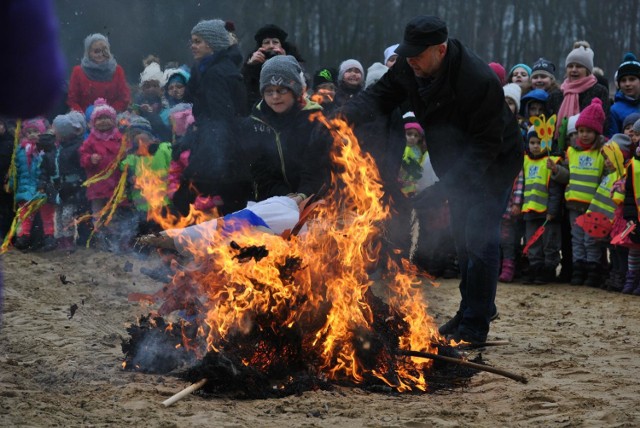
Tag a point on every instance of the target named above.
point(629, 67)
point(525, 66)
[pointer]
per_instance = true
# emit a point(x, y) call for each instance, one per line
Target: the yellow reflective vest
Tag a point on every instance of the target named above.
point(536, 184)
point(585, 172)
point(603, 201)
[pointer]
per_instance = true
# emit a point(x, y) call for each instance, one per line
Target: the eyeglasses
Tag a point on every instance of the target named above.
point(279, 91)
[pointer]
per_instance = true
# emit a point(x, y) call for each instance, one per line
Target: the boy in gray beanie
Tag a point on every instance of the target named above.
point(282, 70)
point(214, 33)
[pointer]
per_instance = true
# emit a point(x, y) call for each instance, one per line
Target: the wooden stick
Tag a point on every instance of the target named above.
point(484, 344)
point(465, 363)
point(188, 390)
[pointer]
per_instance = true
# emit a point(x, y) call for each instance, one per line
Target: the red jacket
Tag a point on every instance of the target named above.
point(83, 91)
point(108, 149)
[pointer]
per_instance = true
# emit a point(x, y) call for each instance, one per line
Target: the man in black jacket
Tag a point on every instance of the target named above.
point(475, 150)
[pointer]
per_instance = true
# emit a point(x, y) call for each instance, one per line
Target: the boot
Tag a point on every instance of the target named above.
point(532, 274)
point(578, 274)
point(49, 243)
point(636, 292)
point(67, 243)
point(631, 282)
point(594, 275)
point(547, 275)
point(618, 284)
point(540, 277)
point(22, 242)
point(507, 271)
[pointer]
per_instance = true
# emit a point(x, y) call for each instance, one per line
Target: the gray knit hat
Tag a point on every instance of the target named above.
point(91, 39)
point(69, 125)
point(214, 33)
point(623, 141)
point(282, 70)
point(581, 54)
point(636, 126)
point(375, 73)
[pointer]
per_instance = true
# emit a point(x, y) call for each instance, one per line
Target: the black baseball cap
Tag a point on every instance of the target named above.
point(420, 33)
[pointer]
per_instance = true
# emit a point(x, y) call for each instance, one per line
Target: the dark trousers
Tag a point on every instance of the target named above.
point(475, 224)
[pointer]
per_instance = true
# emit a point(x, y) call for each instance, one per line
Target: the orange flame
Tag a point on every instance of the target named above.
point(326, 299)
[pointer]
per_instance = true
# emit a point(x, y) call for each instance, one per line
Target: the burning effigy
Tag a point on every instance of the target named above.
point(261, 314)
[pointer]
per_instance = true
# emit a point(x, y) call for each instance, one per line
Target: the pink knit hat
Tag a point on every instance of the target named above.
point(500, 72)
point(40, 124)
point(414, 125)
point(101, 108)
point(592, 116)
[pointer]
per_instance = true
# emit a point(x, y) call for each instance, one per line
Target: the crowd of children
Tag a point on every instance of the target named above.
point(575, 203)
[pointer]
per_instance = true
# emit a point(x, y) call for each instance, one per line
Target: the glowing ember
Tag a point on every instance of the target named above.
point(304, 304)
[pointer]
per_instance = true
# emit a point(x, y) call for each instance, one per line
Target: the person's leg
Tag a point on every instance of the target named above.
point(475, 221)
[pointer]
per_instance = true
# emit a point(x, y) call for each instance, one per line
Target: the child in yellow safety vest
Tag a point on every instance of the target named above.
point(541, 206)
point(585, 167)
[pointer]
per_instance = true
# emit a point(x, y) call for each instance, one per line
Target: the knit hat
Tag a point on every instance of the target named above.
point(629, 67)
point(414, 125)
point(543, 66)
point(531, 132)
point(525, 66)
point(513, 91)
point(636, 126)
point(176, 74)
point(324, 75)
point(181, 117)
point(374, 73)
point(571, 124)
point(592, 116)
point(500, 72)
point(539, 95)
point(581, 54)
point(152, 72)
point(630, 120)
point(214, 33)
point(101, 108)
point(140, 123)
point(39, 124)
point(282, 70)
point(91, 39)
point(389, 52)
point(350, 63)
point(69, 125)
point(623, 141)
point(270, 31)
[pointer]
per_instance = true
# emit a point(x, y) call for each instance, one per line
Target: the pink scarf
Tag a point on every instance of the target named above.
point(571, 103)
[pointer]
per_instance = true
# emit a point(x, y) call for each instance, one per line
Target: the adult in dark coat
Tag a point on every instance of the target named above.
point(475, 149)
point(271, 40)
point(217, 92)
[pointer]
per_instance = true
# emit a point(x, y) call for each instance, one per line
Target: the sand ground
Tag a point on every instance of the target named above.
point(579, 348)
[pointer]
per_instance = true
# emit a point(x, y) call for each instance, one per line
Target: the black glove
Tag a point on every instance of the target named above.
point(46, 142)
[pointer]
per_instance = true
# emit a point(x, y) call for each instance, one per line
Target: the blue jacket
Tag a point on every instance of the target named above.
point(27, 175)
point(622, 107)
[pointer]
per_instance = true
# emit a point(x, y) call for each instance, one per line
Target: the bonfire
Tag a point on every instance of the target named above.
point(264, 315)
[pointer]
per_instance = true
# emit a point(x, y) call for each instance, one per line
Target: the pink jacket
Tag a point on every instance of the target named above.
point(108, 149)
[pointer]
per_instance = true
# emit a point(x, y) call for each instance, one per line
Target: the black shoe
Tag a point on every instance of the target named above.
point(451, 326)
point(469, 336)
point(22, 242)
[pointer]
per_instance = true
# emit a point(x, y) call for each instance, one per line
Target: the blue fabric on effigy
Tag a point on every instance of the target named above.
point(239, 220)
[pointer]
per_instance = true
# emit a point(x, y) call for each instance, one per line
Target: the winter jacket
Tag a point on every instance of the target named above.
point(108, 149)
point(622, 107)
point(555, 192)
point(216, 88)
point(27, 173)
point(344, 93)
point(288, 152)
point(84, 91)
point(61, 175)
point(473, 138)
point(157, 161)
point(584, 99)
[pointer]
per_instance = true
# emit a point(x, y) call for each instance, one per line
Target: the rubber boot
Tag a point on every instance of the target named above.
point(508, 269)
point(578, 273)
point(594, 275)
point(631, 282)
